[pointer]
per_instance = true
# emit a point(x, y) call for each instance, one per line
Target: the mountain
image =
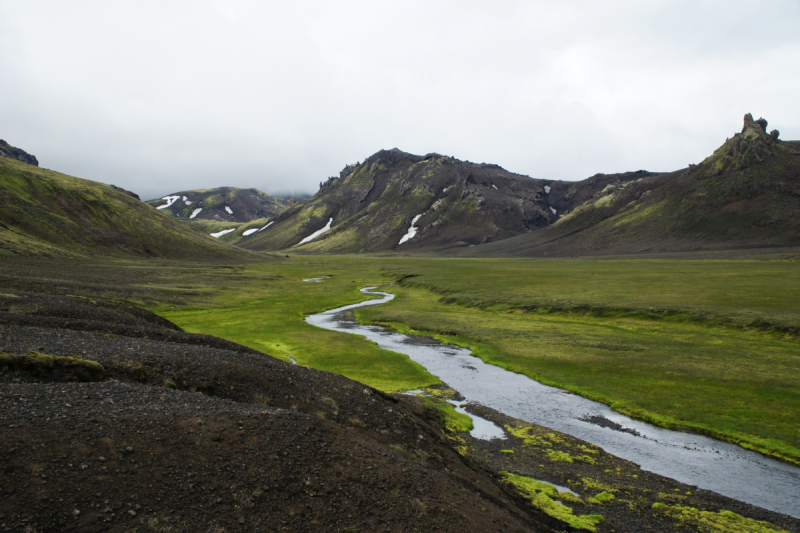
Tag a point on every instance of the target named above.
point(398, 201)
point(745, 195)
point(43, 212)
point(224, 204)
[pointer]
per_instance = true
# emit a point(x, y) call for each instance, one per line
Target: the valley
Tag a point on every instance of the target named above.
point(663, 304)
point(726, 340)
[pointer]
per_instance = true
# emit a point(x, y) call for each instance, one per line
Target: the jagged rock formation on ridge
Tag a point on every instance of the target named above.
point(6, 150)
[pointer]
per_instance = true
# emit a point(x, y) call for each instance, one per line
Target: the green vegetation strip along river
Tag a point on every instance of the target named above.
point(708, 346)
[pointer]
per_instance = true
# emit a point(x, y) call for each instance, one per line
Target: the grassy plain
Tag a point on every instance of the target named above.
point(264, 306)
point(709, 346)
point(706, 346)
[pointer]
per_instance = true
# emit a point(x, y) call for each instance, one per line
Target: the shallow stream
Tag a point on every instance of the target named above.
point(692, 459)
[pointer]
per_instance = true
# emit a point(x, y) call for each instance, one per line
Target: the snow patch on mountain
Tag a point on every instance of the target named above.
point(546, 189)
point(229, 210)
point(316, 233)
point(553, 210)
point(254, 230)
point(196, 212)
point(170, 200)
point(412, 231)
point(219, 234)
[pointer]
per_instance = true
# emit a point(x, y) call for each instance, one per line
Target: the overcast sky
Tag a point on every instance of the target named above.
point(161, 96)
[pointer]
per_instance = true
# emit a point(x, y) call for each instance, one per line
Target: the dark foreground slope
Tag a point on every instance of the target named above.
point(372, 206)
point(43, 212)
point(224, 204)
point(268, 447)
point(745, 195)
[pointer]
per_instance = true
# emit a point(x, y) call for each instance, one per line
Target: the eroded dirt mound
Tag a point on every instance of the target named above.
point(268, 447)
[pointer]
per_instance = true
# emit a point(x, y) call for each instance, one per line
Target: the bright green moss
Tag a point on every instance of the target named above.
point(603, 497)
point(452, 420)
point(542, 496)
point(711, 522)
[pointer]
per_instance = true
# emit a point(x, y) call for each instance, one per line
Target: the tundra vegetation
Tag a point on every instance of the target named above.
point(609, 329)
point(705, 346)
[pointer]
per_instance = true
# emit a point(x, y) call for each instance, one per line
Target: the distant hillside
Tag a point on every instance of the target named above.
point(399, 201)
point(224, 204)
point(44, 212)
point(745, 195)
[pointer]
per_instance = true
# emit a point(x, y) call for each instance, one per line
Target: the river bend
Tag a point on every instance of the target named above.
point(692, 459)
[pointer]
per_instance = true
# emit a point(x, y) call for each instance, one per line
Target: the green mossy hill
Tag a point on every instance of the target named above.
point(372, 205)
point(223, 204)
point(42, 365)
point(43, 212)
point(241, 230)
point(745, 195)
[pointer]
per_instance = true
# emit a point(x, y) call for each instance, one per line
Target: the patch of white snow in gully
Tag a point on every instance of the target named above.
point(412, 231)
point(546, 189)
point(495, 188)
point(316, 233)
point(188, 202)
point(219, 234)
point(196, 212)
point(228, 209)
point(170, 200)
point(553, 210)
point(254, 230)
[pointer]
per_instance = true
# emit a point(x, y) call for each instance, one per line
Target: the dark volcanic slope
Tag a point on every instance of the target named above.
point(277, 447)
point(372, 206)
point(745, 195)
point(224, 204)
point(45, 212)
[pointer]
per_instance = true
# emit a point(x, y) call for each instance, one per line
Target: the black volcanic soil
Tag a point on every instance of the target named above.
point(269, 447)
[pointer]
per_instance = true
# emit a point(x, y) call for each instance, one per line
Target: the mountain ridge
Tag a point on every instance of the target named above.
point(372, 206)
point(745, 195)
point(223, 204)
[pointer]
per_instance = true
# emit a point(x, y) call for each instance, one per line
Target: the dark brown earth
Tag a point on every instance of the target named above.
point(268, 447)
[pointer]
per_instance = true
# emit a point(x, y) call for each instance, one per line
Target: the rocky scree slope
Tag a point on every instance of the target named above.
point(224, 204)
point(187, 434)
point(399, 201)
point(43, 212)
point(745, 195)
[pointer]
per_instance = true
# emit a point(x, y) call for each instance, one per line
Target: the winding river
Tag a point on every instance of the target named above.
point(692, 459)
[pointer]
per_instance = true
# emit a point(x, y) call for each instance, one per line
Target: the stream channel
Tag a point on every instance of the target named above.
point(709, 464)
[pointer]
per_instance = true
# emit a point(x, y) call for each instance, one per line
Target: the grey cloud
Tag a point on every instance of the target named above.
point(163, 96)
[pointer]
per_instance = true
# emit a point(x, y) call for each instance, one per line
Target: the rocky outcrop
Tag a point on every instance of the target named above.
point(6, 150)
point(752, 146)
point(129, 193)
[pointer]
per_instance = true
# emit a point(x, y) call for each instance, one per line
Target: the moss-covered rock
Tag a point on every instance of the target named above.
point(79, 368)
point(57, 367)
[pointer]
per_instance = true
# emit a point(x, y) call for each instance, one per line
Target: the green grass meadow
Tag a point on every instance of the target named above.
point(264, 307)
point(707, 346)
